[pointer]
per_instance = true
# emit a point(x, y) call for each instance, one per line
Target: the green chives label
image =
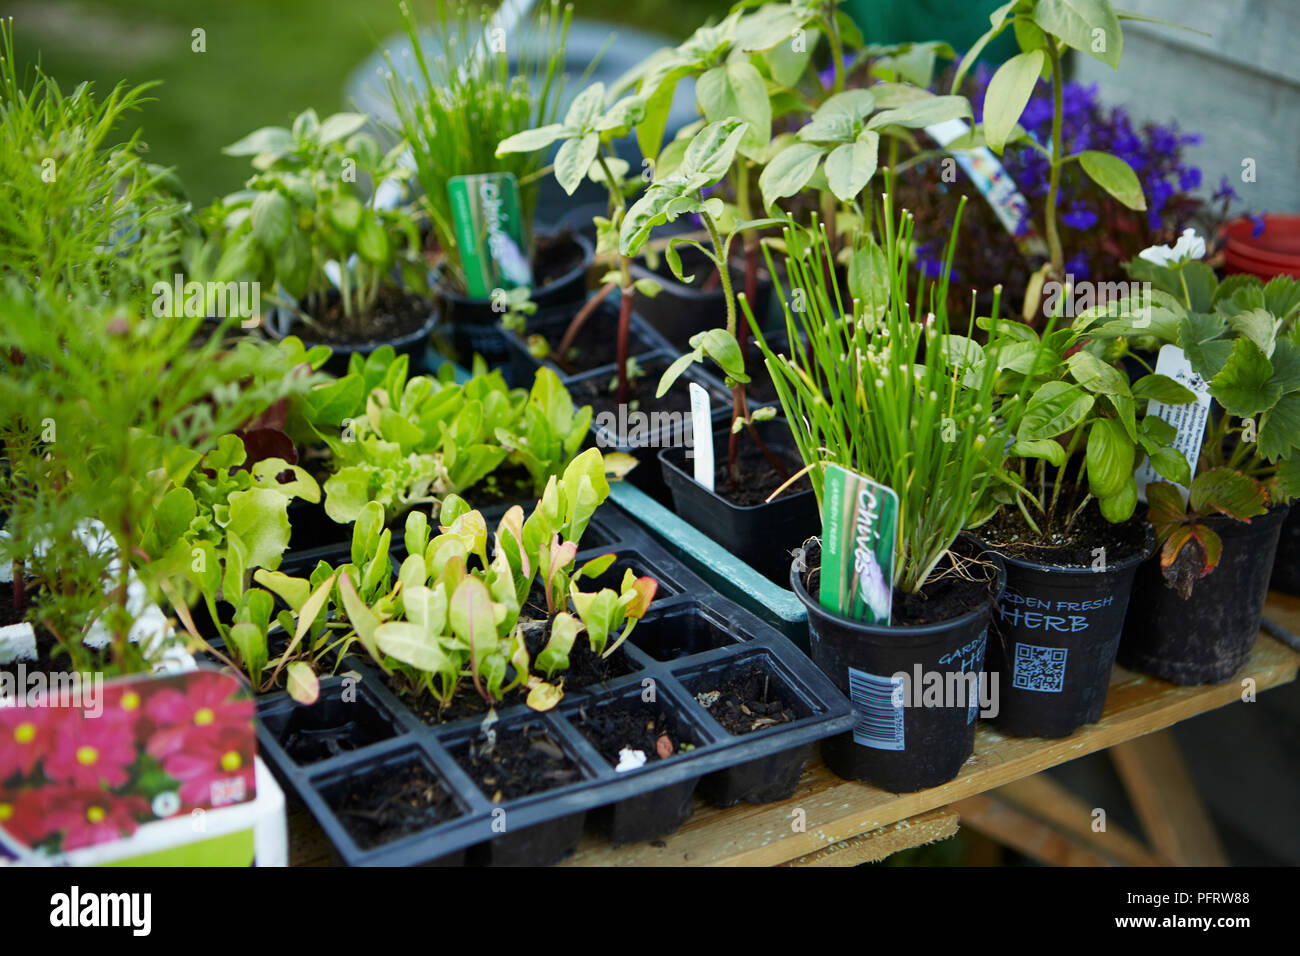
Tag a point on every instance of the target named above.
point(490, 232)
point(859, 539)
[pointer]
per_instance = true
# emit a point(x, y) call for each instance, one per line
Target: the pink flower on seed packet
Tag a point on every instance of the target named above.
point(126, 703)
point(89, 753)
point(214, 769)
point(23, 816)
point(88, 815)
point(26, 733)
point(207, 707)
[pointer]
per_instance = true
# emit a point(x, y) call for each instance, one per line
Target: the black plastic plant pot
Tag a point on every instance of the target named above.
point(1055, 634)
point(414, 344)
point(596, 343)
point(762, 535)
point(680, 311)
point(901, 742)
point(475, 327)
point(542, 844)
point(642, 428)
point(1206, 638)
point(1286, 566)
point(342, 720)
point(646, 816)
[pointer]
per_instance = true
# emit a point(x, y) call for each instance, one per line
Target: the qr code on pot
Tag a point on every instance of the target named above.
point(1039, 668)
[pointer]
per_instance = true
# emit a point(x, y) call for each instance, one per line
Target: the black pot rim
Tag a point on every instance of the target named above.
point(739, 509)
point(445, 291)
point(1043, 567)
point(1235, 527)
point(893, 634)
point(346, 348)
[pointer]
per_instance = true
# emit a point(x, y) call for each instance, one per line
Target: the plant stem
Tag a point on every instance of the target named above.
point(616, 204)
point(724, 274)
point(1054, 249)
point(20, 588)
point(584, 313)
point(837, 51)
point(624, 318)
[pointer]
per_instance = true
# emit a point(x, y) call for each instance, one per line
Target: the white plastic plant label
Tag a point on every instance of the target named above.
point(701, 436)
point(1188, 420)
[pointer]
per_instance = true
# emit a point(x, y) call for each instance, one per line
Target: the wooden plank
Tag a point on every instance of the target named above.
point(1049, 802)
point(871, 847)
point(1165, 798)
point(835, 810)
point(1021, 831)
point(307, 843)
point(1284, 610)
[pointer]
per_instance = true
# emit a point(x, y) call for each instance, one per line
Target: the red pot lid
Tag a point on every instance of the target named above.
point(1278, 242)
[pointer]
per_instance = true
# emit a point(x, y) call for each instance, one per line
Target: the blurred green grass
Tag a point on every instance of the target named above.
point(265, 61)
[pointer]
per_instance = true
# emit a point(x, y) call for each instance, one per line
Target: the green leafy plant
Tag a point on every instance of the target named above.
point(1044, 30)
point(1240, 337)
point(460, 612)
point(1071, 404)
point(305, 208)
point(403, 441)
point(869, 385)
point(105, 412)
point(465, 97)
point(78, 211)
point(706, 160)
point(590, 127)
point(222, 515)
point(837, 150)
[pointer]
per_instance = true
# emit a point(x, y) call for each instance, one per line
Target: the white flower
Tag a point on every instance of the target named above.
point(1189, 246)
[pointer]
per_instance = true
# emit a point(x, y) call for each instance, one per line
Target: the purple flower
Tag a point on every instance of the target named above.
point(1080, 217)
point(1225, 191)
point(1077, 266)
point(1257, 224)
point(1189, 178)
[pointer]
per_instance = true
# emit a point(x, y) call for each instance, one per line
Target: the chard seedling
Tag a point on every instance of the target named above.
point(404, 442)
point(460, 609)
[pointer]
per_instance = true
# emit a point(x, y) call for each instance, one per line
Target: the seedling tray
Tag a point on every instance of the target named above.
point(690, 635)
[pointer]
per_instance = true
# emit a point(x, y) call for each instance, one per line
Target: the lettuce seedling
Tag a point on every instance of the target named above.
point(404, 442)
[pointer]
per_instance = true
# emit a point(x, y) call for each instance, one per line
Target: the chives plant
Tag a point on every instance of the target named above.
point(873, 386)
point(465, 98)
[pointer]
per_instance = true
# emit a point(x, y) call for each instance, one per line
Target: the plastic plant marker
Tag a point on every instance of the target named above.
point(490, 232)
point(701, 436)
point(859, 535)
point(1189, 420)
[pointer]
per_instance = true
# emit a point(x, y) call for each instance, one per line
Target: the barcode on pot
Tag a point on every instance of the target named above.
point(879, 709)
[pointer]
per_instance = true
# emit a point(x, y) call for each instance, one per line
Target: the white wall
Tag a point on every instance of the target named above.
point(1239, 88)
